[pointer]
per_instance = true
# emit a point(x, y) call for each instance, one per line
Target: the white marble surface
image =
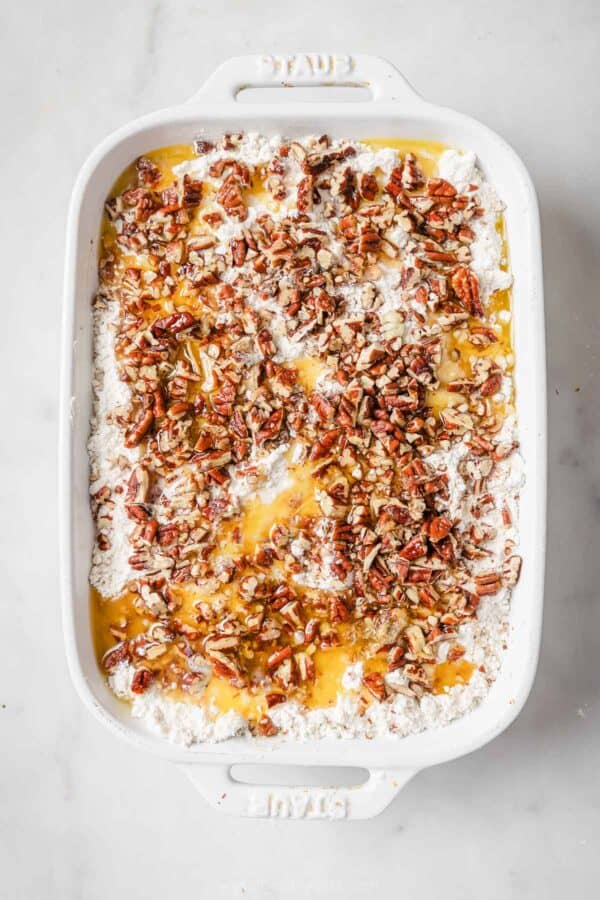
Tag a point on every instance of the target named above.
point(82, 816)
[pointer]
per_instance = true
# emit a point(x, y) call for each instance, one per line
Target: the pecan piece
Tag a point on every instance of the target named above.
point(285, 673)
point(368, 186)
point(456, 652)
point(343, 183)
point(311, 630)
point(274, 698)
point(192, 192)
point(415, 548)
point(492, 385)
point(265, 727)
point(338, 611)
point(239, 250)
point(291, 611)
point(482, 336)
point(141, 680)
point(375, 684)
point(411, 176)
point(237, 424)
point(415, 639)
point(174, 251)
point(439, 187)
point(139, 429)
point(265, 343)
point(511, 571)
point(230, 197)
point(323, 446)
point(148, 173)
point(305, 193)
point(138, 485)
point(201, 146)
point(395, 658)
point(321, 405)
point(395, 188)
point(278, 656)
point(465, 285)
point(212, 459)
point(271, 427)
point(304, 667)
point(116, 655)
point(369, 241)
point(137, 513)
point(225, 667)
point(221, 643)
point(439, 528)
point(173, 324)
point(487, 584)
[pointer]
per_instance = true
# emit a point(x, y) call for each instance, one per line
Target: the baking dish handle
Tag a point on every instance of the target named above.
point(364, 801)
point(307, 70)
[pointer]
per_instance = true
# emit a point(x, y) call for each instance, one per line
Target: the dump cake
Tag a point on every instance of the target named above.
point(304, 465)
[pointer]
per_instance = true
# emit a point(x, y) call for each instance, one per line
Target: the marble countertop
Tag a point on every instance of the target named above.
point(84, 816)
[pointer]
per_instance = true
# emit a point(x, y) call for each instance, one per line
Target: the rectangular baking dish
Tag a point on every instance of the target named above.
point(394, 110)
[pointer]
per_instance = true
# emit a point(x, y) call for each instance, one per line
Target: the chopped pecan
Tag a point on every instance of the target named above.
point(192, 192)
point(322, 406)
point(265, 343)
point(265, 727)
point(439, 528)
point(411, 176)
point(439, 187)
point(375, 684)
point(148, 173)
point(415, 548)
point(173, 324)
point(202, 146)
point(491, 385)
point(368, 186)
point(230, 197)
point(138, 485)
point(511, 571)
point(325, 445)
point(369, 241)
point(141, 680)
point(274, 698)
point(305, 193)
point(465, 285)
point(239, 250)
point(120, 653)
point(271, 427)
point(278, 656)
point(490, 583)
point(139, 429)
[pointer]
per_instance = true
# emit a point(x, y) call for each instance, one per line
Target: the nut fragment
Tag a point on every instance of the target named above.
point(314, 434)
point(265, 727)
point(375, 685)
point(141, 680)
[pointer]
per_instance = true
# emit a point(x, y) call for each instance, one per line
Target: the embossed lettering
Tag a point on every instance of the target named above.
point(343, 65)
point(298, 805)
point(321, 63)
point(306, 67)
point(259, 805)
point(267, 65)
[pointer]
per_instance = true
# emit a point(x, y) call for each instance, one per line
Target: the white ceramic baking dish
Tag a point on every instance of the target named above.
point(393, 110)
